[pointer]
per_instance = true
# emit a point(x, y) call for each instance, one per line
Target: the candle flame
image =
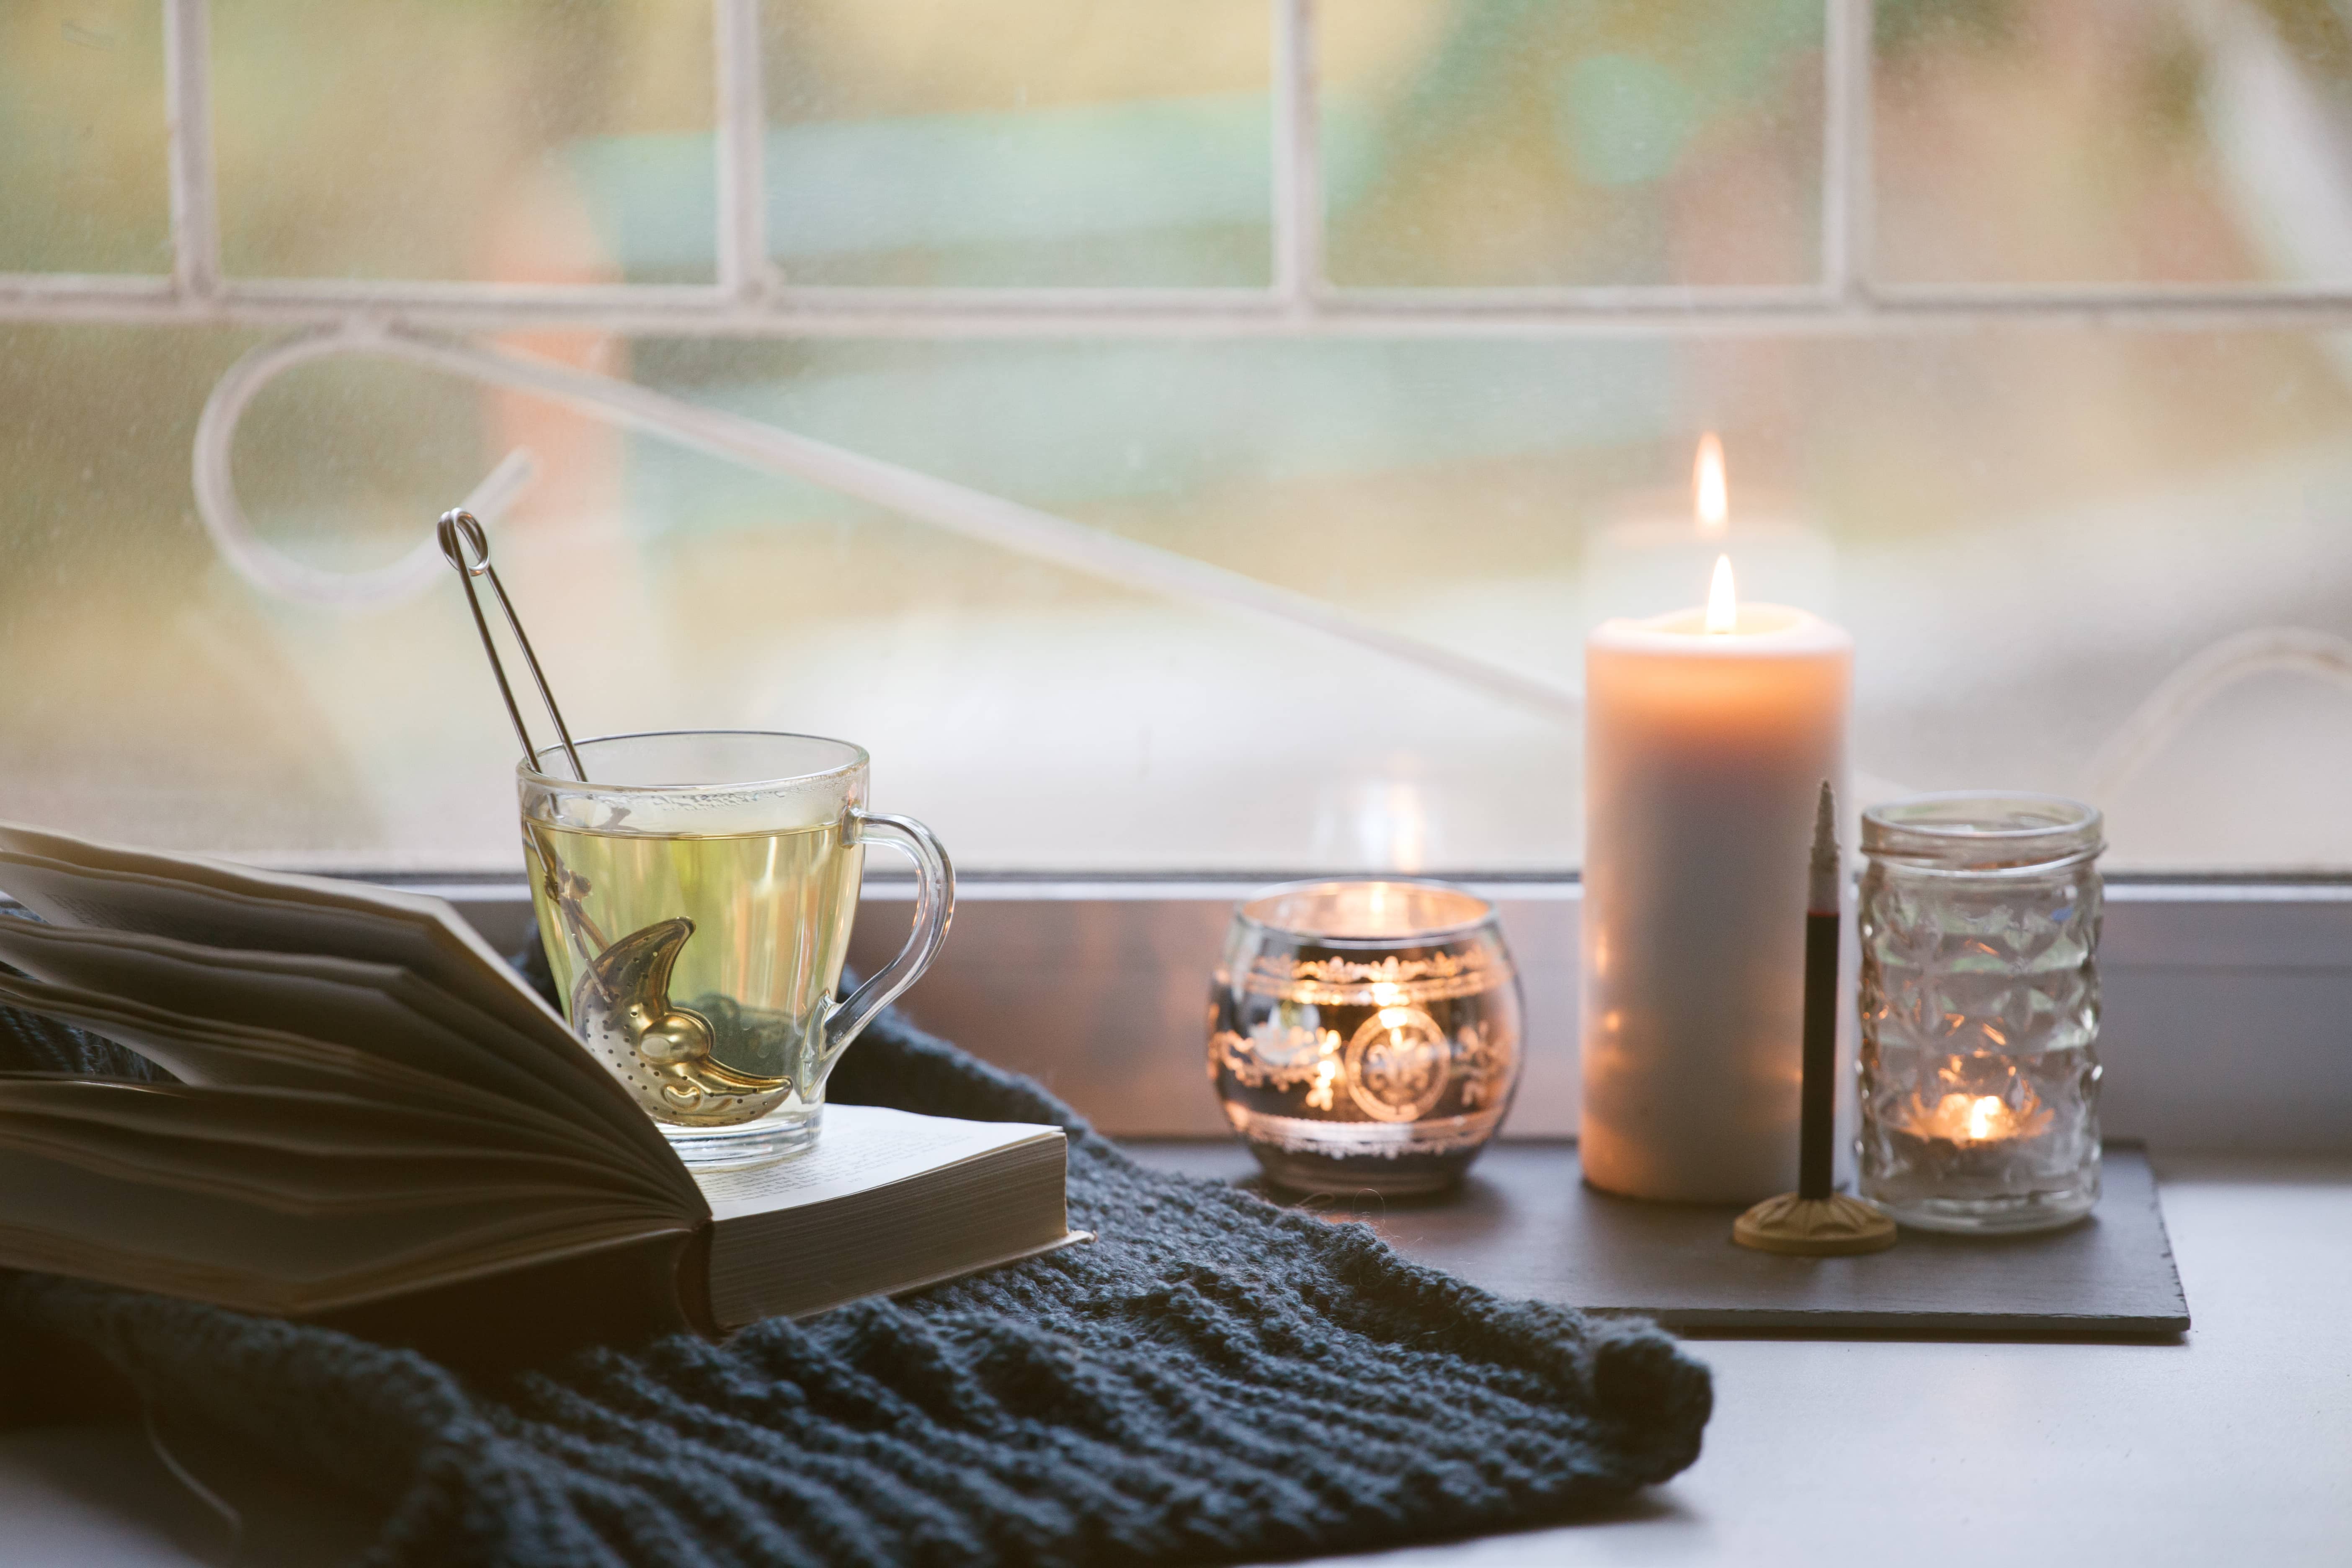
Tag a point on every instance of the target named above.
point(1722, 600)
point(1984, 1114)
point(1964, 1118)
point(1712, 493)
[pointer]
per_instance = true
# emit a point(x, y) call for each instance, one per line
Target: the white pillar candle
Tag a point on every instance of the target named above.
point(1704, 756)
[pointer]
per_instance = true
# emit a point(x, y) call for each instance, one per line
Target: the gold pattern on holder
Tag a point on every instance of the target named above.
point(1483, 1057)
point(1399, 1063)
point(1280, 1057)
point(1344, 983)
point(1395, 1068)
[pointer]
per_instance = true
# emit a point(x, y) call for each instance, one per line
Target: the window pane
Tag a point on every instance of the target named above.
point(2029, 530)
point(152, 698)
point(83, 186)
point(1490, 141)
point(1054, 142)
point(426, 140)
point(2026, 531)
point(2101, 140)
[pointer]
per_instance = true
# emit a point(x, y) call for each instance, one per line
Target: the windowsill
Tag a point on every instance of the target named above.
point(2227, 1446)
point(2228, 1022)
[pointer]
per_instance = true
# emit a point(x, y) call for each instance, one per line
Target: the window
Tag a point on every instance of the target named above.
point(2033, 315)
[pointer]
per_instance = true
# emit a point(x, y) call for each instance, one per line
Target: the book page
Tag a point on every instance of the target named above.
point(333, 999)
point(861, 1147)
point(535, 1054)
point(208, 1051)
point(229, 1057)
point(302, 1152)
point(126, 1228)
point(78, 881)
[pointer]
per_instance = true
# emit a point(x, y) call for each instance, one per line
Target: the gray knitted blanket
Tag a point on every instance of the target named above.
point(1216, 1378)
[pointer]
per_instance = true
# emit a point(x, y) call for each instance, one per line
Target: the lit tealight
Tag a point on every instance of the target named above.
point(1980, 1118)
point(1984, 1115)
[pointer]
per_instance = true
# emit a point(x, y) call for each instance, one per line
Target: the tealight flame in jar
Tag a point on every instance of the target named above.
point(1712, 496)
point(1722, 600)
point(1966, 1118)
point(1983, 1112)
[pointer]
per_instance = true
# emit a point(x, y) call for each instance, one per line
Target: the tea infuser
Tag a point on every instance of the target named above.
point(456, 530)
point(623, 987)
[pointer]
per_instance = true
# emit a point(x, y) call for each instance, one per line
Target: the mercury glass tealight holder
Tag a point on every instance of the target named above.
point(1365, 1036)
point(1979, 1072)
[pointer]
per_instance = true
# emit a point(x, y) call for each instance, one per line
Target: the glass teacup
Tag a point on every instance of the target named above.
point(695, 899)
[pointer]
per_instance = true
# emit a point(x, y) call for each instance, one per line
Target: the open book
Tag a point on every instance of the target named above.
point(378, 1125)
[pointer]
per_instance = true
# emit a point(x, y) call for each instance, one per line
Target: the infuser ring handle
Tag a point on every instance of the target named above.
point(457, 529)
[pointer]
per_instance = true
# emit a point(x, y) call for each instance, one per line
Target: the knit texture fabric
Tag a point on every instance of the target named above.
point(30, 1043)
point(1216, 1378)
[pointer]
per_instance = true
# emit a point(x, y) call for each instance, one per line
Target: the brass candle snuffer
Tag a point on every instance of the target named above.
point(623, 997)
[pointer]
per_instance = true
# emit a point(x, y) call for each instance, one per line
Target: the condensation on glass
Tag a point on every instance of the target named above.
point(2088, 141)
point(83, 135)
point(1505, 145)
point(1979, 1071)
point(1047, 142)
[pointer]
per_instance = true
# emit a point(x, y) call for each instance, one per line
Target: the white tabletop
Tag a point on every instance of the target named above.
point(2234, 1446)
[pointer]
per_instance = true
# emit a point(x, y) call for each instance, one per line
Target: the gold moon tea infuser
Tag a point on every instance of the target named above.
point(695, 892)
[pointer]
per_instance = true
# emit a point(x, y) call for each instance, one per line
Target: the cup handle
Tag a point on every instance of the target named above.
point(934, 907)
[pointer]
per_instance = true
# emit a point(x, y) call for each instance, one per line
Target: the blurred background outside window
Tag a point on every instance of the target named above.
point(2030, 524)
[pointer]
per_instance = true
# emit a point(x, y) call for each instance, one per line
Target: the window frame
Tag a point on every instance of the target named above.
point(750, 296)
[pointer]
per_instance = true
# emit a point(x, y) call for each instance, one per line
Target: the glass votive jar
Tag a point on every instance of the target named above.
point(1979, 1075)
point(1364, 1035)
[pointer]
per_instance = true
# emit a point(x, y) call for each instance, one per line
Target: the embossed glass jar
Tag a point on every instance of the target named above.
point(1365, 1036)
point(1980, 1073)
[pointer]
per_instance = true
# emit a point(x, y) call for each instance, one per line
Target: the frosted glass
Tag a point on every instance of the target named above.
point(82, 134)
point(2097, 142)
point(420, 139)
point(1049, 142)
point(1498, 143)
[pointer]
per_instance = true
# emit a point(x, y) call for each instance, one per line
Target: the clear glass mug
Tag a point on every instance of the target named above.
point(695, 900)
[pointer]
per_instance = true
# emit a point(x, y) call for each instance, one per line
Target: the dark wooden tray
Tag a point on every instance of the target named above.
point(1524, 1224)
